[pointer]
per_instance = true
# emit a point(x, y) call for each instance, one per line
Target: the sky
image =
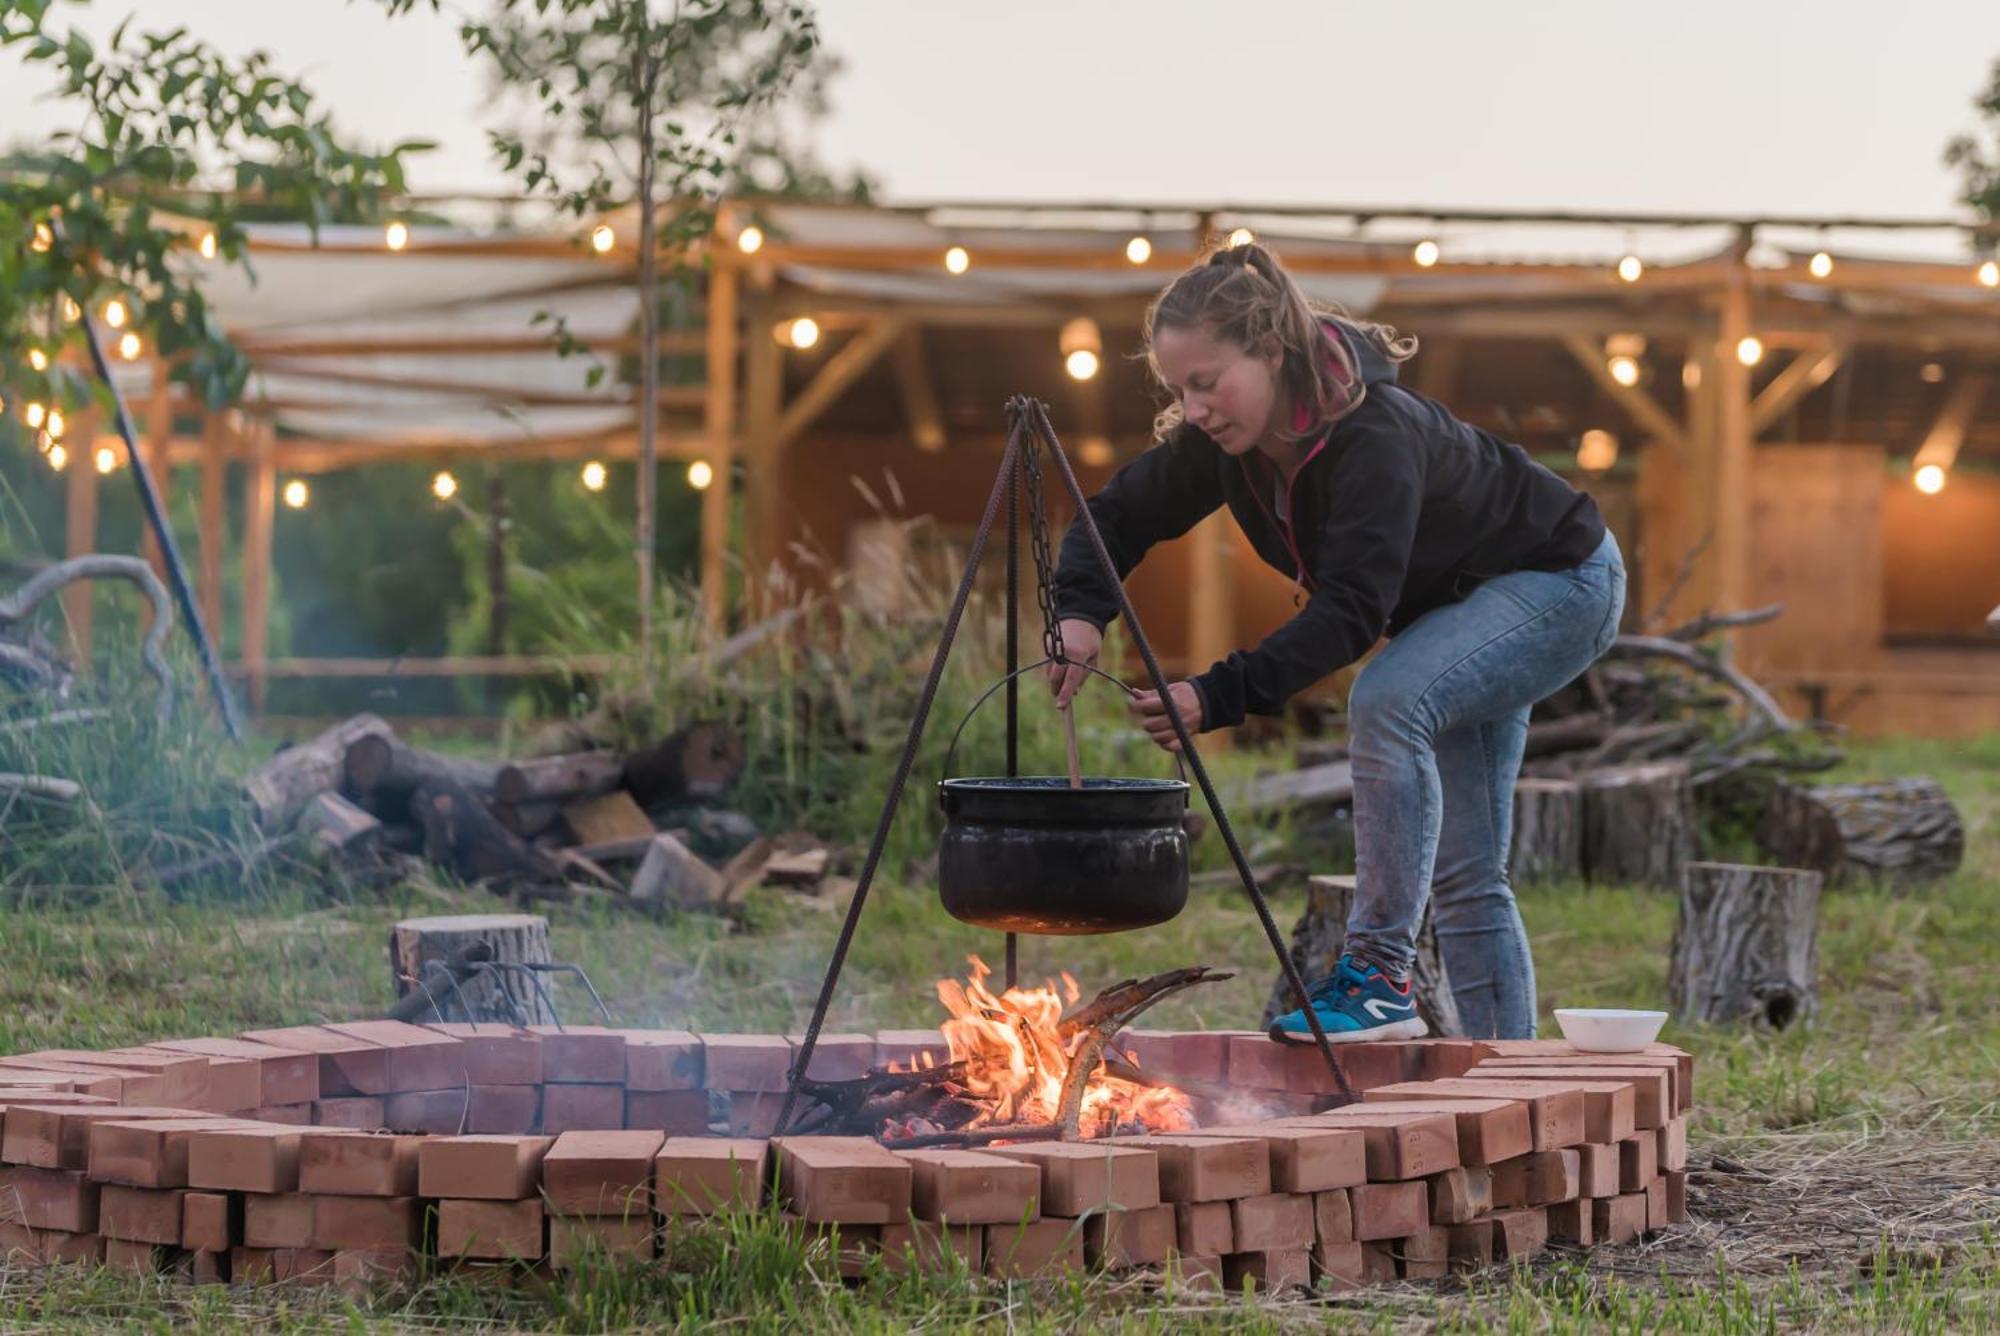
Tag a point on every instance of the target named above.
point(1755, 106)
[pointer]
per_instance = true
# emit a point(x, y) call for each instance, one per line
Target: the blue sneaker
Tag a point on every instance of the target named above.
point(1357, 1002)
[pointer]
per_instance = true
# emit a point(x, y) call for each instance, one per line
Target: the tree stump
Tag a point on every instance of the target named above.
point(1321, 934)
point(283, 785)
point(383, 771)
point(697, 764)
point(1548, 831)
point(558, 778)
point(1901, 832)
point(488, 995)
point(1746, 947)
point(1638, 823)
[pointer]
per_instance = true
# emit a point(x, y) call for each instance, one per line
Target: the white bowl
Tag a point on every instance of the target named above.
point(1608, 1029)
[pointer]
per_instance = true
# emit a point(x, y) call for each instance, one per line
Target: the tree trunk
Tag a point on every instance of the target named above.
point(1638, 823)
point(1901, 832)
point(1746, 947)
point(339, 827)
point(461, 835)
point(283, 785)
point(486, 995)
point(558, 778)
point(698, 763)
point(1321, 934)
point(1548, 831)
point(383, 771)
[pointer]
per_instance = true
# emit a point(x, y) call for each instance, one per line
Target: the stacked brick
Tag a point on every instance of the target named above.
point(360, 1152)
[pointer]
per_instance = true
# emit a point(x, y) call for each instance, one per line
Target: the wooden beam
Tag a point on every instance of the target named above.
point(1733, 441)
point(1806, 372)
point(670, 341)
point(833, 380)
point(686, 396)
point(1947, 433)
point(260, 504)
point(1642, 407)
point(719, 428)
point(81, 535)
point(763, 393)
point(214, 524)
point(913, 382)
point(159, 437)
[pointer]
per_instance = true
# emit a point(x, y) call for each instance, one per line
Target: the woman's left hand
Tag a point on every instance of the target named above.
point(1151, 712)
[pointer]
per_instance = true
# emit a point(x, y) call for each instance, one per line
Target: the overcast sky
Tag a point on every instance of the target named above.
point(1834, 106)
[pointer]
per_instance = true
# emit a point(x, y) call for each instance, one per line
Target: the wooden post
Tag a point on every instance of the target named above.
point(159, 440)
point(1746, 947)
point(260, 503)
point(81, 537)
point(719, 423)
point(1731, 491)
point(214, 522)
point(763, 389)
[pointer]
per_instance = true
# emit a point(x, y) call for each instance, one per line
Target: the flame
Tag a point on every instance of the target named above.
point(1016, 1057)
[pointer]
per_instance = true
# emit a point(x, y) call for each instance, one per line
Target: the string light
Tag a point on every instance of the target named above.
point(1624, 370)
point(297, 494)
point(444, 487)
point(602, 239)
point(956, 260)
point(115, 313)
point(1690, 374)
point(1931, 373)
point(58, 456)
point(800, 333)
point(1242, 236)
point(130, 345)
point(45, 237)
point(750, 240)
point(1081, 364)
point(1989, 273)
point(1630, 268)
point(207, 245)
point(1929, 479)
point(70, 310)
point(700, 475)
point(1596, 451)
point(34, 415)
point(106, 459)
point(396, 236)
point(1750, 350)
point(594, 476)
point(1425, 253)
point(38, 359)
point(55, 423)
point(1138, 250)
point(1082, 346)
point(1820, 265)
point(1097, 452)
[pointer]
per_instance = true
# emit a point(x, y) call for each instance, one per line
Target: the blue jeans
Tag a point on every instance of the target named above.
point(1438, 721)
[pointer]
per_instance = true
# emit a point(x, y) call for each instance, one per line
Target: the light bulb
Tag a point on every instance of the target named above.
point(1820, 265)
point(70, 310)
point(1425, 254)
point(444, 487)
point(602, 239)
point(1630, 267)
point(1242, 236)
point(34, 415)
point(297, 494)
point(45, 237)
point(130, 345)
point(956, 260)
point(594, 476)
point(1625, 370)
point(207, 245)
point(57, 455)
point(802, 332)
point(1929, 479)
point(115, 313)
point(1138, 250)
point(106, 459)
point(1596, 450)
point(700, 475)
point(1081, 364)
point(750, 240)
point(396, 236)
point(1750, 350)
point(1931, 373)
point(38, 359)
point(1989, 273)
point(55, 422)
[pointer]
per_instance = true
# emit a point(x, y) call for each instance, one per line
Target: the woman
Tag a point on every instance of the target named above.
point(1496, 581)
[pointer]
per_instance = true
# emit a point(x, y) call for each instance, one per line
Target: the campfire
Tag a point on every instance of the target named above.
point(1024, 1063)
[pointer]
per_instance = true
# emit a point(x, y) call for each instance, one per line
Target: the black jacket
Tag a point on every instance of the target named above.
point(1400, 509)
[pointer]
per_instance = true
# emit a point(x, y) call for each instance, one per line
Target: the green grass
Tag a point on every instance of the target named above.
point(1844, 1171)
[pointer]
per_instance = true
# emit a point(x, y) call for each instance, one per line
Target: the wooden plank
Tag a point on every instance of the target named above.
point(1947, 433)
point(719, 428)
point(260, 504)
point(81, 533)
point(214, 534)
point(1733, 439)
point(834, 379)
point(913, 382)
point(1806, 372)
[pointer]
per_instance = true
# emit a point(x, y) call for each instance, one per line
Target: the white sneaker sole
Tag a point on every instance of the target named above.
point(1413, 1028)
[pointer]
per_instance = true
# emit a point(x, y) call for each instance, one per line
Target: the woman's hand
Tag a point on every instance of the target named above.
point(1082, 643)
point(1151, 712)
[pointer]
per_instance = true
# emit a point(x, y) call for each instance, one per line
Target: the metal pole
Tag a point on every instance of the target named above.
point(1013, 664)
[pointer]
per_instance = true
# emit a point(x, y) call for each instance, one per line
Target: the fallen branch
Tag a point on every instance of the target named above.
point(101, 567)
point(1639, 647)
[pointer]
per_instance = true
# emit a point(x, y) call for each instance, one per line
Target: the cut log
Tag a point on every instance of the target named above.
point(1329, 785)
point(1320, 936)
point(283, 785)
point(1746, 947)
point(1638, 823)
point(460, 834)
point(485, 995)
point(1548, 831)
point(696, 764)
point(526, 819)
point(607, 817)
point(1902, 832)
point(803, 868)
point(558, 778)
point(339, 827)
point(669, 875)
point(382, 771)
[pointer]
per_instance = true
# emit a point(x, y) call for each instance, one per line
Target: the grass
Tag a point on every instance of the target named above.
point(1844, 1170)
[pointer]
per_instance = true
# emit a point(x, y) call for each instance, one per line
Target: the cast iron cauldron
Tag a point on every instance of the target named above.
point(1033, 855)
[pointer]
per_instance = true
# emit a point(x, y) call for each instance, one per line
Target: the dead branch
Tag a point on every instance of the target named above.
point(102, 567)
point(1097, 1021)
point(1706, 625)
point(1636, 647)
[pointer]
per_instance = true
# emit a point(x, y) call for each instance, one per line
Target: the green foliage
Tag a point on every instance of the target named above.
point(1977, 155)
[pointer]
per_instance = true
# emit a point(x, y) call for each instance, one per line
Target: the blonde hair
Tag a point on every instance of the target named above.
point(1242, 295)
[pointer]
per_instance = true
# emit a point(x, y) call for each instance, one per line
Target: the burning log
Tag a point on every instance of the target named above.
point(1108, 1013)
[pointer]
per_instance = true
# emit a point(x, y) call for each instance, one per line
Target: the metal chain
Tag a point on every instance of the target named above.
point(1038, 542)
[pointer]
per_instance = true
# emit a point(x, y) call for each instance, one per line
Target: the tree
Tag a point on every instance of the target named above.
point(1979, 162)
point(649, 108)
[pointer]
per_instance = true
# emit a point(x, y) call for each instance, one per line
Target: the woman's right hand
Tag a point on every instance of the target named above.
point(1082, 643)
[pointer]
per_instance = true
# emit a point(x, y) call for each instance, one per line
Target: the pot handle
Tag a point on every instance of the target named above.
point(1126, 687)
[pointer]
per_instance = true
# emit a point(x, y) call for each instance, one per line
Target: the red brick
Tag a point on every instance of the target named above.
point(499, 1168)
point(234, 1083)
point(582, 1108)
point(357, 1164)
point(1233, 1105)
point(57, 1136)
point(1489, 1130)
point(22, 1246)
point(141, 1258)
point(1638, 1162)
point(1035, 1248)
point(1400, 1145)
point(1425, 1255)
point(1442, 1058)
point(601, 1173)
point(290, 1115)
point(1677, 1197)
point(747, 1063)
point(682, 1113)
point(1573, 1222)
point(60, 1199)
point(1460, 1195)
point(1204, 1228)
point(1274, 1220)
point(206, 1222)
point(575, 1237)
point(47, 1093)
point(503, 1110)
point(838, 1057)
point(1656, 1204)
point(1207, 1168)
point(1337, 1266)
point(366, 1223)
point(907, 1049)
point(141, 1215)
point(1470, 1245)
point(1195, 1271)
point(365, 1269)
point(152, 1154)
point(1271, 1272)
point(419, 1058)
point(206, 1268)
point(964, 1187)
point(1619, 1219)
point(1389, 1210)
point(853, 1246)
point(1144, 1237)
point(1303, 1158)
point(1333, 1216)
point(929, 1247)
point(185, 1074)
point(83, 1080)
point(585, 1054)
point(427, 1112)
point(1608, 1063)
point(493, 1229)
point(1598, 1167)
point(1522, 1232)
point(1555, 1112)
point(1510, 1184)
point(1256, 1060)
point(1178, 1057)
point(247, 1159)
point(754, 1115)
point(347, 1065)
point(362, 1113)
point(1615, 1103)
point(1674, 1144)
point(843, 1180)
point(665, 1060)
point(703, 1175)
point(496, 1054)
point(1078, 1177)
point(1552, 1176)
point(278, 1220)
point(285, 1076)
